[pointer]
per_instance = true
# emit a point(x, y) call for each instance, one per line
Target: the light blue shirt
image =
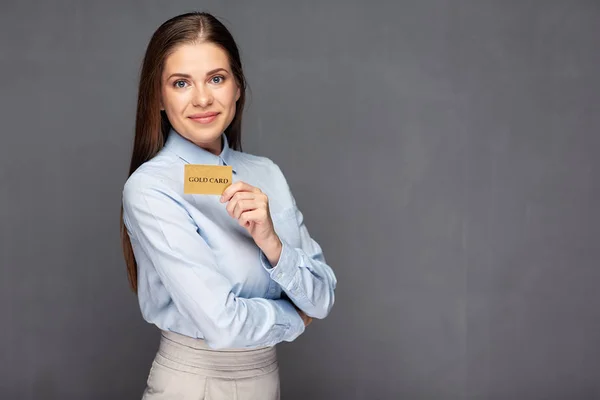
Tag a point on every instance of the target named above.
point(200, 273)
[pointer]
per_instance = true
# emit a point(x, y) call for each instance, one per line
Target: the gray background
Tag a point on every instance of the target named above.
point(445, 154)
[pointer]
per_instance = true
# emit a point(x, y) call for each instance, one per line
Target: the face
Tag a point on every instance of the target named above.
point(199, 93)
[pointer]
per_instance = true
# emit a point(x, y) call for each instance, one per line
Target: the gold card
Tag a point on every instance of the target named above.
point(206, 179)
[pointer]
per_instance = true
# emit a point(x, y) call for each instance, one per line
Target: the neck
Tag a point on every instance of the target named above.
point(216, 148)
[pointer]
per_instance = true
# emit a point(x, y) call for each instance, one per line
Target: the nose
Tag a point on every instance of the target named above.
point(202, 96)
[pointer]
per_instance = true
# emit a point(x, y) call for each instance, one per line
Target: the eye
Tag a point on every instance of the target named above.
point(217, 79)
point(177, 84)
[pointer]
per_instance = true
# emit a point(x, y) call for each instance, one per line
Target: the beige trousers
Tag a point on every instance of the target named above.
point(185, 368)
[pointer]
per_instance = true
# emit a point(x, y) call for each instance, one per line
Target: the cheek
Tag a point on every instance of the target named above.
point(227, 101)
point(232, 107)
point(233, 101)
point(228, 97)
point(174, 102)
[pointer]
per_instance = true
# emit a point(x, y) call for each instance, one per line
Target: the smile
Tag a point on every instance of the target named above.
point(204, 118)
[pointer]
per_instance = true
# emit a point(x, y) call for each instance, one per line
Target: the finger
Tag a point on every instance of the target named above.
point(244, 206)
point(238, 186)
point(258, 201)
point(250, 216)
point(237, 197)
point(230, 191)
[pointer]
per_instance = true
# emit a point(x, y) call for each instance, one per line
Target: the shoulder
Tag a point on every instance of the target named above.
point(268, 174)
point(157, 175)
point(260, 165)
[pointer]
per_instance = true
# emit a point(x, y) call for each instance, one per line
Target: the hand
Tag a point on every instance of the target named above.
point(307, 320)
point(250, 206)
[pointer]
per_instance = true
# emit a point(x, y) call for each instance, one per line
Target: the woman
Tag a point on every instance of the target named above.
point(225, 277)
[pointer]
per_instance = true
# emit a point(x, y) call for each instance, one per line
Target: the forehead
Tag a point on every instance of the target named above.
point(196, 59)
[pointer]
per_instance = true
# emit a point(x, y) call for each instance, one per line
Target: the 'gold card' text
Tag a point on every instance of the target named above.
point(206, 179)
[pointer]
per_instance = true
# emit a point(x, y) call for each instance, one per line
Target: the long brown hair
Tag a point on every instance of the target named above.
point(152, 125)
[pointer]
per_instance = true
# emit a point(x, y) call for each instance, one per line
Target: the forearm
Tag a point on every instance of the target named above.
point(248, 323)
point(308, 281)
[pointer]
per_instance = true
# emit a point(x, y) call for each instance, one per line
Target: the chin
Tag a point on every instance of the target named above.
point(204, 135)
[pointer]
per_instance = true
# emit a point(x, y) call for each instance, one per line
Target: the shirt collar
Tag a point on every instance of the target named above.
point(194, 154)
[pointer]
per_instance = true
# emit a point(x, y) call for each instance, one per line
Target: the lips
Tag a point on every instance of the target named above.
point(204, 115)
point(204, 118)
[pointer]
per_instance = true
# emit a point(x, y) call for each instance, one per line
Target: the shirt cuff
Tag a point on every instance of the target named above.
point(294, 324)
point(286, 268)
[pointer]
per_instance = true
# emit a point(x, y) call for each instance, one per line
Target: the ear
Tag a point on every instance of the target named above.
point(238, 94)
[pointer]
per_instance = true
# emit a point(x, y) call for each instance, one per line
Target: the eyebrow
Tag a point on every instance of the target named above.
point(190, 77)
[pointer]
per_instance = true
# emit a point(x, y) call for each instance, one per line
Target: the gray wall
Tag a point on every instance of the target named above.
point(445, 154)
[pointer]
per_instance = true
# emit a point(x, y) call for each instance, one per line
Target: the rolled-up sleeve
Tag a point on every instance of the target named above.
point(303, 273)
point(167, 234)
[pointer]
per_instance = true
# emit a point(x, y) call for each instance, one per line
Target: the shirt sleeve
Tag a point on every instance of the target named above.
point(303, 273)
point(188, 270)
